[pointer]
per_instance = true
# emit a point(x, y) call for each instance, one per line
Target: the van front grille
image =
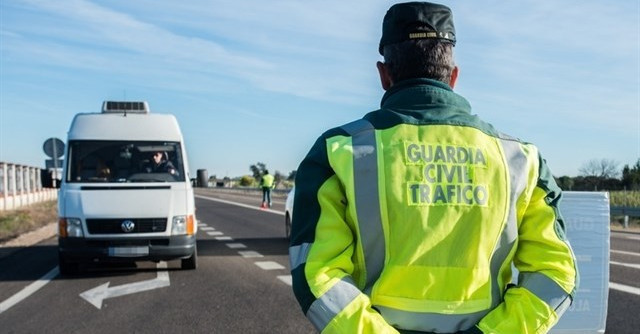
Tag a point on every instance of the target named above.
point(115, 225)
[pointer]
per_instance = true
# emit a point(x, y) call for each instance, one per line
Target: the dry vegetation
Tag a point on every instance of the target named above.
point(16, 222)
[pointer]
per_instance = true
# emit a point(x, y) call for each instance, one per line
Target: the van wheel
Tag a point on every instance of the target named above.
point(191, 262)
point(67, 268)
point(287, 226)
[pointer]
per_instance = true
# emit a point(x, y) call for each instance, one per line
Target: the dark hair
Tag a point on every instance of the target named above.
point(421, 58)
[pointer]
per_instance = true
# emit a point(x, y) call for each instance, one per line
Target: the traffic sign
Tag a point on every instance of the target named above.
point(49, 163)
point(53, 147)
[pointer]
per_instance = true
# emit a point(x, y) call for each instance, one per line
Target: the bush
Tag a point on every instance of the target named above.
point(247, 181)
point(624, 198)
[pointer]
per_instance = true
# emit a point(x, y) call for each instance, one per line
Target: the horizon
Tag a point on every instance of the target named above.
point(251, 81)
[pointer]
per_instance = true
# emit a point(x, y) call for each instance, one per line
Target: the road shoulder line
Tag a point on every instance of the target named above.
point(29, 290)
point(239, 204)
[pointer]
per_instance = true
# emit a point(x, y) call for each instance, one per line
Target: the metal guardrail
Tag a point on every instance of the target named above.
point(282, 193)
point(625, 211)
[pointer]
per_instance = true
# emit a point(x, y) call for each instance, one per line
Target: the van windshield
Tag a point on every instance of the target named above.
point(124, 161)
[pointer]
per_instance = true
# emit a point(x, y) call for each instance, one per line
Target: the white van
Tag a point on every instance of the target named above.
point(125, 194)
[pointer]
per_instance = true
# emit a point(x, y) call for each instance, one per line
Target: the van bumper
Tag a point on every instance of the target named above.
point(127, 250)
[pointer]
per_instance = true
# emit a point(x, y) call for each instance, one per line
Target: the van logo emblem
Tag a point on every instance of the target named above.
point(127, 226)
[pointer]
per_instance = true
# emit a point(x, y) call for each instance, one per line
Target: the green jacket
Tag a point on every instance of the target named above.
point(411, 219)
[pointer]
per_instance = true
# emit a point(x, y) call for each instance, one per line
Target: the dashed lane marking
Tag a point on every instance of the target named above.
point(236, 246)
point(624, 288)
point(207, 228)
point(623, 252)
point(212, 233)
point(630, 265)
point(269, 265)
point(265, 265)
point(250, 254)
point(286, 279)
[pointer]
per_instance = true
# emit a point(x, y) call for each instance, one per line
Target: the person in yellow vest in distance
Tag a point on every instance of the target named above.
point(266, 183)
point(410, 219)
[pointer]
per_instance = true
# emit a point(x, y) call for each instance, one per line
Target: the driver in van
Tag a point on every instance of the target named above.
point(102, 170)
point(160, 164)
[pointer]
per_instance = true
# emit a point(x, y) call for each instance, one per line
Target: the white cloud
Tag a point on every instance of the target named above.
point(524, 63)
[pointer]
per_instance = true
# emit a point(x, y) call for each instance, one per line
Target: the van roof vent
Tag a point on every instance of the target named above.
point(125, 107)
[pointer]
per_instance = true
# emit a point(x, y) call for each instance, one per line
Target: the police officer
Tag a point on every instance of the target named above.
point(409, 219)
point(266, 183)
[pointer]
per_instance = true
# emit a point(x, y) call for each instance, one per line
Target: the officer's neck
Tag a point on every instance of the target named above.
point(387, 81)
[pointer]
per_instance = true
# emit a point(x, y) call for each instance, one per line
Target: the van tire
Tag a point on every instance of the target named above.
point(287, 226)
point(191, 262)
point(67, 268)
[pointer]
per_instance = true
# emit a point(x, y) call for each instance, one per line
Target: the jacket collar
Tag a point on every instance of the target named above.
point(414, 94)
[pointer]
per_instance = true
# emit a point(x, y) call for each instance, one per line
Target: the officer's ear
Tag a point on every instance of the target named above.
point(385, 78)
point(454, 77)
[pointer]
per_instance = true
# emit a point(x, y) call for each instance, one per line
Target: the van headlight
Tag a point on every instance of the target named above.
point(70, 228)
point(182, 225)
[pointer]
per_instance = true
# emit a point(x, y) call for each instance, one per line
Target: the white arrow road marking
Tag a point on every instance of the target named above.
point(96, 295)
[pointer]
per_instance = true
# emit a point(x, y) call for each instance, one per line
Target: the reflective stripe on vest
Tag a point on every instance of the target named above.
point(517, 166)
point(547, 290)
point(298, 255)
point(365, 182)
point(539, 284)
point(333, 301)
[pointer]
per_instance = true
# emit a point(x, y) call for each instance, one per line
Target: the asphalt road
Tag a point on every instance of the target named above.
point(242, 284)
point(624, 268)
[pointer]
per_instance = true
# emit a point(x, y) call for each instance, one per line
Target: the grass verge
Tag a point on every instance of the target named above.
point(16, 222)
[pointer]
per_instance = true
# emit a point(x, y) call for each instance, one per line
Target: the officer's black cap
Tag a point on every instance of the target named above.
point(417, 20)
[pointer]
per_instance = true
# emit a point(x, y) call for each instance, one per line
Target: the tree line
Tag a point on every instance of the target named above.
point(260, 169)
point(601, 175)
point(595, 175)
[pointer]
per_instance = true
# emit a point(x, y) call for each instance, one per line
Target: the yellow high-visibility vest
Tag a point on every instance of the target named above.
point(267, 181)
point(411, 219)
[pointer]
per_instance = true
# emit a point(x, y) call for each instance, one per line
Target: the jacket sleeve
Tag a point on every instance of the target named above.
point(322, 245)
point(546, 264)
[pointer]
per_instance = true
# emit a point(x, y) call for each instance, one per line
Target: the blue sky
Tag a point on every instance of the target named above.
point(259, 81)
